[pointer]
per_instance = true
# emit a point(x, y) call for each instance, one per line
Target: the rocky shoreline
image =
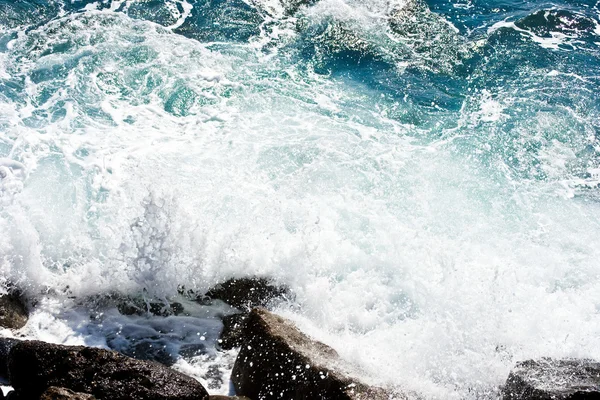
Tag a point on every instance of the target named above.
point(275, 361)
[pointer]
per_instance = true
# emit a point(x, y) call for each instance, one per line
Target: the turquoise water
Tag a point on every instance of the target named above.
point(424, 175)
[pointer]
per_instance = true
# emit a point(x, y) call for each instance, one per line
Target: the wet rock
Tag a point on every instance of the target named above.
point(291, 6)
point(129, 305)
point(192, 350)
point(214, 377)
point(428, 35)
point(140, 307)
point(5, 345)
point(15, 395)
point(57, 393)
point(13, 312)
point(231, 335)
point(278, 361)
point(34, 366)
point(246, 293)
point(547, 379)
point(151, 350)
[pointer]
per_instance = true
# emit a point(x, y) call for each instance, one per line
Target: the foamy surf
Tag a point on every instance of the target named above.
point(425, 185)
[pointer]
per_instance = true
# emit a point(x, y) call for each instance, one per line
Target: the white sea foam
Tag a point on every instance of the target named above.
point(553, 42)
point(157, 161)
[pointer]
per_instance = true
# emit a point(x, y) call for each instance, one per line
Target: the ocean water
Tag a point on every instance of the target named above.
point(423, 175)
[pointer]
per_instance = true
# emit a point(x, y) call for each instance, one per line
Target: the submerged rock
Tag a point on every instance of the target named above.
point(291, 6)
point(548, 379)
point(13, 312)
point(246, 293)
point(131, 306)
point(277, 361)
point(58, 393)
point(34, 366)
point(432, 39)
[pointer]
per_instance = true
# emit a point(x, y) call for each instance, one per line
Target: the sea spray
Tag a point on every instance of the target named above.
point(431, 200)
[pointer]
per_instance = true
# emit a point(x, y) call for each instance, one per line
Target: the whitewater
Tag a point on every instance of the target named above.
point(423, 175)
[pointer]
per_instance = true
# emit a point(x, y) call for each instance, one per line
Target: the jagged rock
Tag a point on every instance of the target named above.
point(246, 293)
point(5, 345)
point(550, 379)
point(231, 335)
point(13, 312)
point(34, 366)
point(278, 361)
point(58, 393)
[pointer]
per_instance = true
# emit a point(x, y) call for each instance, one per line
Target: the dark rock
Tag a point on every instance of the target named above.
point(57, 393)
point(246, 293)
point(34, 366)
point(547, 379)
point(18, 395)
point(228, 398)
point(231, 335)
point(132, 306)
point(278, 361)
point(165, 310)
point(15, 395)
point(150, 350)
point(292, 6)
point(13, 312)
point(192, 350)
point(5, 345)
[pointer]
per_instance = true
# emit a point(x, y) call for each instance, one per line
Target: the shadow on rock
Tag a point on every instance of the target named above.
point(35, 366)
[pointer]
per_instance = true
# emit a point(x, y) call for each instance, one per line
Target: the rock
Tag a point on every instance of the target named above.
point(132, 306)
point(5, 345)
point(427, 34)
point(34, 366)
point(214, 377)
point(548, 378)
point(17, 395)
point(292, 6)
point(246, 293)
point(56, 393)
point(227, 398)
point(231, 335)
point(13, 313)
point(150, 350)
point(192, 350)
point(278, 361)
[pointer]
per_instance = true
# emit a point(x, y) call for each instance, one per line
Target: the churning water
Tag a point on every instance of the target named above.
point(424, 175)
